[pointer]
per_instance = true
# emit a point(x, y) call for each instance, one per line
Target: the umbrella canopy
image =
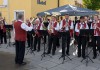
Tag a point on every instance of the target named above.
point(71, 10)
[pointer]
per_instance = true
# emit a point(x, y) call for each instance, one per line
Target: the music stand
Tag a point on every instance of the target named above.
point(31, 43)
point(87, 33)
point(64, 34)
point(9, 27)
point(43, 33)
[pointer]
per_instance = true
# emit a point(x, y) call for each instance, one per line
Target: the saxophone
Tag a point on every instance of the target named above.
point(50, 31)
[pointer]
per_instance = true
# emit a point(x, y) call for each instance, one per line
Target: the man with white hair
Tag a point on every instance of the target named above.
point(96, 39)
point(29, 34)
point(37, 38)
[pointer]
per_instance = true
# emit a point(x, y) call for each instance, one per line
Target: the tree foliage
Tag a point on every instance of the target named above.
point(92, 4)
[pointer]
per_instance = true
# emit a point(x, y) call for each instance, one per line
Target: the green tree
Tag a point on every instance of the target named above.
point(92, 4)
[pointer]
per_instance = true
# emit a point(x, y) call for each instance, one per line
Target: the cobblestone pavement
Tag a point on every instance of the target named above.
point(34, 62)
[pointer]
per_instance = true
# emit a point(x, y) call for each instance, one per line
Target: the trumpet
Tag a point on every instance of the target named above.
point(51, 30)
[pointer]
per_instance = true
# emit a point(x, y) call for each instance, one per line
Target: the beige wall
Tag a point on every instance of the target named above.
point(24, 5)
point(30, 7)
point(65, 2)
point(1, 2)
point(15, 5)
point(39, 8)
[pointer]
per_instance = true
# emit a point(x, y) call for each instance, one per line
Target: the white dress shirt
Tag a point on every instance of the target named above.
point(37, 25)
point(67, 28)
point(25, 26)
point(56, 28)
point(41, 27)
point(94, 27)
point(81, 27)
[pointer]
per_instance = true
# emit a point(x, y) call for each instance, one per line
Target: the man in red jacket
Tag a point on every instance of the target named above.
point(53, 29)
point(20, 37)
point(96, 39)
point(81, 39)
point(66, 26)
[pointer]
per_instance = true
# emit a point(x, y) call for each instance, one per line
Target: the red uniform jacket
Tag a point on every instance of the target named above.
point(4, 28)
point(20, 34)
point(70, 30)
point(96, 30)
point(79, 27)
point(54, 25)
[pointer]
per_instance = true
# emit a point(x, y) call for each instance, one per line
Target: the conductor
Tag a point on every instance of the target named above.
point(20, 37)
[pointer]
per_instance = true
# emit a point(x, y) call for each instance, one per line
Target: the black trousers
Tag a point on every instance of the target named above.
point(96, 42)
point(29, 40)
point(68, 41)
point(37, 41)
point(63, 43)
point(65, 40)
point(3, 37)
point(44, 38)
point(52, 43)
point(20, 51)
point(57, 42)
point(81, 42)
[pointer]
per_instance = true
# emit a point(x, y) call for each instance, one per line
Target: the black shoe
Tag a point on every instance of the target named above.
point(13, 43)
point(38, 50)
point(53, 53)
point(58, 46)
point(84, 57)
point(16, 63)
point(68, 54)
point(23, 63)
point(34, 50)
point(78, 56)
point(28, 47)
point(48, 53)
point(62, 55)
point(94, 57)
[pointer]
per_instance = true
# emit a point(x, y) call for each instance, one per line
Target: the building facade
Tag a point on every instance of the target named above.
point(11, 8)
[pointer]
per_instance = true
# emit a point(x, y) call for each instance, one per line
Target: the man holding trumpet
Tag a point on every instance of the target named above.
point(65, 26)
point(96, 39)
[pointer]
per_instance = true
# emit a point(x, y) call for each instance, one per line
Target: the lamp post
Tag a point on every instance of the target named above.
point(58, 6)
point(58, 3)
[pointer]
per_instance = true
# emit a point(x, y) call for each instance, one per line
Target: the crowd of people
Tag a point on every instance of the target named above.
point(64, 29)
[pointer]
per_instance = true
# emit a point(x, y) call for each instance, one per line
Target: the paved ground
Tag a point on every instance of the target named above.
point(34, 61)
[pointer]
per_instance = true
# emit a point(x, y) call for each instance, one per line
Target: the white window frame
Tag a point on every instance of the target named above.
point(18, 11)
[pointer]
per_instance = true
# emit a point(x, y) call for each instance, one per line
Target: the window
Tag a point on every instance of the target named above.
point(5, 2)
point(17, 12)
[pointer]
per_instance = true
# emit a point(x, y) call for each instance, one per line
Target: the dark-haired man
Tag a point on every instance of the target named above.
point(67, 26)
point(81, 39)
point(96, 39)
